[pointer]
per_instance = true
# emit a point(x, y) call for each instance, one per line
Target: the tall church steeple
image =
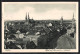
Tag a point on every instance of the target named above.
point(73, 21)
point(73, 15)
point(61, 20)
point(26, 17)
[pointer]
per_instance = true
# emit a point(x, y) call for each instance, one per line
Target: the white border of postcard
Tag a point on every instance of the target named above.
point(39, 50)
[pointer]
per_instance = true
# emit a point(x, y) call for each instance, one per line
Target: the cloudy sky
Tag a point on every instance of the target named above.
point(38, 11)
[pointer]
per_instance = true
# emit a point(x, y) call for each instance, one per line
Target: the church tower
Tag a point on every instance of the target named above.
point(28, 16)
point(73, 21)
point(27, 19)
point(61, 21)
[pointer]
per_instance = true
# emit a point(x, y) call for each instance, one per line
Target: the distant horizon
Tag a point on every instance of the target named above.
point(37, 20)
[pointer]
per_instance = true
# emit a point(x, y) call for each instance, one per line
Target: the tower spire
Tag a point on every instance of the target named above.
point(73, 15)
point(62, 19)
point(26, 16)
point(73, 18)
point(73, 21)
point(61, 23)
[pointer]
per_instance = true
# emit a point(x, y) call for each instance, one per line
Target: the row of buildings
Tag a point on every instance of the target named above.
point(36, 28)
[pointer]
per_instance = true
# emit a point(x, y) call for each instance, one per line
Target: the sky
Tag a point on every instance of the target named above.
point(38, 11)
